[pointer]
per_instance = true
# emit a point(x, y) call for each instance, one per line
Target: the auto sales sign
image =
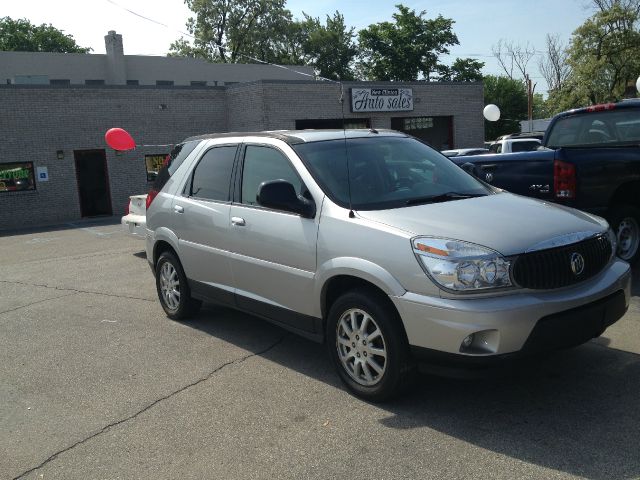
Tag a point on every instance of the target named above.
point(381, 100)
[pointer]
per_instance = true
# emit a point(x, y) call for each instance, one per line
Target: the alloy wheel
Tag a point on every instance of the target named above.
point(170, 286)
point(361, 347)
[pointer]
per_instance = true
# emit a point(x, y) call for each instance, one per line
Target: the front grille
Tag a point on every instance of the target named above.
point(547, 269)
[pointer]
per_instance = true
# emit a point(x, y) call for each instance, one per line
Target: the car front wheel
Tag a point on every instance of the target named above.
point(368, 346)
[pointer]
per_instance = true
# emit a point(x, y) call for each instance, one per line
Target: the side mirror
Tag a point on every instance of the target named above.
point(280, 195)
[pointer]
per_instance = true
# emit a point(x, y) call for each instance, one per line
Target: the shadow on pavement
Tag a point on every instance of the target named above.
point(575, 411)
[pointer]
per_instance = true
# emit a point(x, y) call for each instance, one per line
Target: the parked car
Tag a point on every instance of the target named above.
point(134, 221)
point(591, 162)
point(512, 145)
point(379, 246)
point(461, 152)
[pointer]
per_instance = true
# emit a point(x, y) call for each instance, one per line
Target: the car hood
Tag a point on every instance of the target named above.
point(507, 223)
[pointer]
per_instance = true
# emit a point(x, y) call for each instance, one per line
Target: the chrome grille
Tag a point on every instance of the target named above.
point(551, 268)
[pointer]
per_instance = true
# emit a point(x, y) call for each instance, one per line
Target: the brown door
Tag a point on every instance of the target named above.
point(93, 182)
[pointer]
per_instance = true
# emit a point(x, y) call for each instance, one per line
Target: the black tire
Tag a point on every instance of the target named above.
point(176, 302)
point(397, 365)
point(625, 221)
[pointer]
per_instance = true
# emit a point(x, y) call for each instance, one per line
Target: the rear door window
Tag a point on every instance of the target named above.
point(212, 176)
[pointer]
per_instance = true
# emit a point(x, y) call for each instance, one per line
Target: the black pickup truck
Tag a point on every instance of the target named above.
point(589, 159)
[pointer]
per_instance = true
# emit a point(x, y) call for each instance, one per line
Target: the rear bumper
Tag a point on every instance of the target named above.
point(135, 225)
point(517, 324)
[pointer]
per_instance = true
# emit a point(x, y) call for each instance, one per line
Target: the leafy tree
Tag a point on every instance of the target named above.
point(22, 36)
point(229, 32)
point(330, 49)
point(510, 96)
point(407, 47)
point(463, 70)
point(604, 53)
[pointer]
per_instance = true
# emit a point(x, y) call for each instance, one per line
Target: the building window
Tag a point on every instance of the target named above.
point(94, 82)
point(17, 176)
point(154, 163)
point(60, 81)
point(198, 83)
point(133, 82)
point(164, 83)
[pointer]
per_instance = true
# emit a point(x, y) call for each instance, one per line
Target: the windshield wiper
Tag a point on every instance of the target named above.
point(444, 197)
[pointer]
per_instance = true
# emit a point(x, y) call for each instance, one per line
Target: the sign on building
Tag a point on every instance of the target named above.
point(381, 100)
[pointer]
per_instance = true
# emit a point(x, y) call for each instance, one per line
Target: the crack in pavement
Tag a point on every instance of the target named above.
point(35, 303)
point(152, 404)
point(63, 289)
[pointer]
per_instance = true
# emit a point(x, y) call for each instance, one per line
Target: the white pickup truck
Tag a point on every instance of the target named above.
point(134, 222)
point(512, 145)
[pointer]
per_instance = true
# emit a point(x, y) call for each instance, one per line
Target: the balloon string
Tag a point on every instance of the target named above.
point(159, 145)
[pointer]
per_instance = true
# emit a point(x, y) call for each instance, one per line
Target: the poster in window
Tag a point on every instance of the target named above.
point(154, 163)
point(17, 176)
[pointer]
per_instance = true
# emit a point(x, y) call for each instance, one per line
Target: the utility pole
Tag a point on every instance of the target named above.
point(530, 90)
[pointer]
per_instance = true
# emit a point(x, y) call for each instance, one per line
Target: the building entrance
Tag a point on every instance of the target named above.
point(436, 131)
point(93, 182)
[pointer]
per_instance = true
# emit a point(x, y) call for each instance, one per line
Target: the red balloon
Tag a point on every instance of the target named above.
point(119, 139)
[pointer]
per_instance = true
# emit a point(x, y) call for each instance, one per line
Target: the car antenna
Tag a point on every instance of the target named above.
point(346, 149)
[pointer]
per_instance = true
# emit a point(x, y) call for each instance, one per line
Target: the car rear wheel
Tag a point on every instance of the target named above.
point(626, 223)
point(173, 289)
point(368, 345)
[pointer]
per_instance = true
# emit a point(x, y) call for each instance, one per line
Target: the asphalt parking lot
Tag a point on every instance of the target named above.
point(96, 383)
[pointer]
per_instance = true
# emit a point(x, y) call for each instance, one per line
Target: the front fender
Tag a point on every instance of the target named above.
point(355, 267)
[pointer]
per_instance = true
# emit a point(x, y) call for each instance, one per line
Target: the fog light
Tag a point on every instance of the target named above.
point(468, 340)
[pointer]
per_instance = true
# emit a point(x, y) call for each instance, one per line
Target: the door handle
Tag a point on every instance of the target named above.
point(178, 208)
point(238, 221)
point(491, 166)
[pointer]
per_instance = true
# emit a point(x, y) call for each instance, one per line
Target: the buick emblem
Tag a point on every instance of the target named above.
point(577, 263)
point(489, 177)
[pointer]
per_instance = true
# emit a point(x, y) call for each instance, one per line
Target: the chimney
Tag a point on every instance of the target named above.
point(116, 68)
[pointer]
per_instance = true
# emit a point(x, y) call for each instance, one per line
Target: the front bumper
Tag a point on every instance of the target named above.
point(518, 323)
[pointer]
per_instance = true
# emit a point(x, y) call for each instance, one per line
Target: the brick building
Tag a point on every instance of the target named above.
point(56, 167)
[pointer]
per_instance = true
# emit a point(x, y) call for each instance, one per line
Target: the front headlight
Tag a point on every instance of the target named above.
point(462, 266)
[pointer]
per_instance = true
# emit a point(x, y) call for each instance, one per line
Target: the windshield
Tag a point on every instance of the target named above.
point(608, 128)
point(386, 172)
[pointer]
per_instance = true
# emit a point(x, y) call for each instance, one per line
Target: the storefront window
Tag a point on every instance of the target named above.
point(17, 176)
point(154, 163)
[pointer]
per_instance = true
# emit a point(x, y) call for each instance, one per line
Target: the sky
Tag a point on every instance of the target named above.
point(478, 24)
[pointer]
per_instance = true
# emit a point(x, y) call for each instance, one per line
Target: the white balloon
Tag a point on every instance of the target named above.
point(638, 84)
point(491, 112)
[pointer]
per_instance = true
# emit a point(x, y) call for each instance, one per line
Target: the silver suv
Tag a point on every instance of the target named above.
point(379, 246)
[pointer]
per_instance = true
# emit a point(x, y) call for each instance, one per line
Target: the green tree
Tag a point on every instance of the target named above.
point(463, 70)
point(604, 55)
point(329, 48)
point(407, 47)
point(230, 32)
point(510, 96)
point(22, 36)
point(601, 62)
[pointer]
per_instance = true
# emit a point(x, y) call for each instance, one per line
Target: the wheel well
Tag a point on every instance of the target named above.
point(340, 284)
point(627, 194)
point(159, 249)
